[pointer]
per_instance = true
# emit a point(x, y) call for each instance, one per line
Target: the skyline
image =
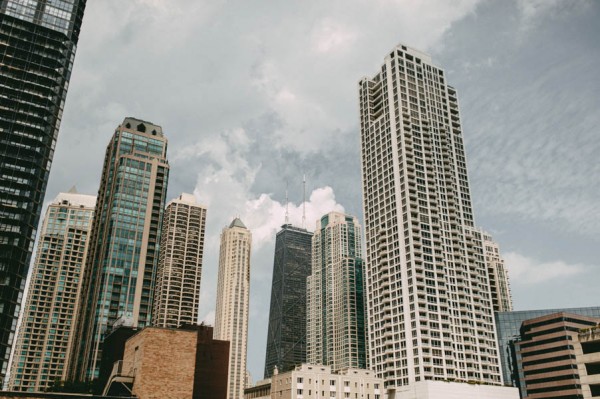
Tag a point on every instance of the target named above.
point(235, 163)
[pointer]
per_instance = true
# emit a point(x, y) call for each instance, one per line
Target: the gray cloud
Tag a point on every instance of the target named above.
point(253, 94)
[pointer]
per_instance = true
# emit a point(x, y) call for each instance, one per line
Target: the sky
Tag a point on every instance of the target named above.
point(254, 95)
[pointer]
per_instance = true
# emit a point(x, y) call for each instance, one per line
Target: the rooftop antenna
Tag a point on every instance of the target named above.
point(304, 201)
point(287, 208)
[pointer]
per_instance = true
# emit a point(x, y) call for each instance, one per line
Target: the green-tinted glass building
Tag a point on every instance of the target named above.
point(38, 39)
point(286, 337)
point(124, 246)
point(335, 313)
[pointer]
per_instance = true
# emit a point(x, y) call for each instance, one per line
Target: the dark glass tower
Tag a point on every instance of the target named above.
point(120, 272)
point(38, 40)
point(286, 339)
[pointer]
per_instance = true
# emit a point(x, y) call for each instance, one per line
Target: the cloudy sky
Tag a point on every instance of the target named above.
point(254, 94)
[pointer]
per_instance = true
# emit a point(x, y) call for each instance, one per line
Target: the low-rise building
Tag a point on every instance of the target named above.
point(172, 363)
point(309, 381)
point(587, 351)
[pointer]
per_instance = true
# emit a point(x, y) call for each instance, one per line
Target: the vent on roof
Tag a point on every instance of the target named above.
point(141, 128)
point(128, 125)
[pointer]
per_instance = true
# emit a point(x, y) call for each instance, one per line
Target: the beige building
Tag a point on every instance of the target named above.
point(233, 296)
point(335, 308)
point(177, 292)
point(429, 305)
point(308, 381)
point(498, 275)
point(558, 356)
point(45, 341)
point(588, 361)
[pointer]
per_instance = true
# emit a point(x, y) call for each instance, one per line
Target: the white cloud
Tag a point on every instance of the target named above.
point(264, 216)
point(524, 270)
point(331, 36)
point(209, 318)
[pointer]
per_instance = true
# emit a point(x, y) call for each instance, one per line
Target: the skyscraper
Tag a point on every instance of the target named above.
point(44, 344)
point(499, 285)
point(124, 245)
point(286, 337)
point(37, 49)
point(233, 297)
point(177, 293)
point(430, 312)
point(335, 322)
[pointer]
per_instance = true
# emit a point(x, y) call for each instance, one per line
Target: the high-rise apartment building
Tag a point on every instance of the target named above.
point(286, 337)
point(335, 322)
point(44, 344)
point(124, 246)
point(499, 285)
point(430, 313)
point(177, 293)
point(233, 300)
point(38, 40)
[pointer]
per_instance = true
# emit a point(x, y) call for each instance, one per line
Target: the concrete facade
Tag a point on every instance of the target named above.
point(233, 300)
point(308, 381)
point(177, 292)
point(47, 332)
point(587, 350)
point(453, 390)
point(548, 357)
point(429, 304)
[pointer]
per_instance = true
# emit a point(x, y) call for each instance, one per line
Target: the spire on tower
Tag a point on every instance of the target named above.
point(304, 201)
point(287, 210)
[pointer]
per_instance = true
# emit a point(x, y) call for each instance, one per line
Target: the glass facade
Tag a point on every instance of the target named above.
point(37, 47)
point(124, 246)
point(508, 326)
point(286, 337)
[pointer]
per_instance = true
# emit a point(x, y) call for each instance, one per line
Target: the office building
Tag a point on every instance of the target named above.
point(547, 356)
point(587, 350)
point(123, 255)
point(310, 381)
point(233, 297)
point(498, 275)
point(195, 368)
point(430, 313)
point(177, 293)
point(44, 344)
point(508, 327)
point(335, 322)
point(286, 336)
point(37, 50)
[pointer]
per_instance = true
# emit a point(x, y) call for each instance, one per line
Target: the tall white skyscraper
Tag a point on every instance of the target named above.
point(233, 298)
point(46, 338)
point(177, 292)
point(335, 314)
point(430, 314)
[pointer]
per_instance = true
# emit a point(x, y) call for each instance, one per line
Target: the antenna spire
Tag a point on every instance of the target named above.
point(304, 201)
point(287, 207)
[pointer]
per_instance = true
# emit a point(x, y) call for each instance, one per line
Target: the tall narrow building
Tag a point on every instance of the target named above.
point(499, 285)
point(124, 246)
point(44, 345)
point(38, 40)
point(286, 336)
point(335, 323)
point(177, 293)
point(233, 299)
point(430, 313)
